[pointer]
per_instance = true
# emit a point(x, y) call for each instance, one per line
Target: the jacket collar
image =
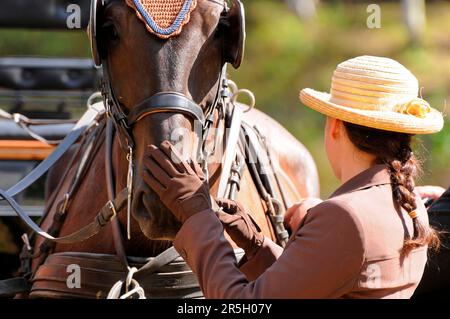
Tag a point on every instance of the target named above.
point(373, 176)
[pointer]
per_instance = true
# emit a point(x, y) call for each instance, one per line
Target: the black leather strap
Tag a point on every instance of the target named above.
point(165, 102)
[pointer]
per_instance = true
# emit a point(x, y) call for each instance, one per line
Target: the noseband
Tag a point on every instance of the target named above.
point(166, 102)
point(162, 102)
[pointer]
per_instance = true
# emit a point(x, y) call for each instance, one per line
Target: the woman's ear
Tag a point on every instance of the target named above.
point(335, 127)
point(234, 41)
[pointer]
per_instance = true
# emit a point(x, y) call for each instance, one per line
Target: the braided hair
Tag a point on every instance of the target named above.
point(394, 150)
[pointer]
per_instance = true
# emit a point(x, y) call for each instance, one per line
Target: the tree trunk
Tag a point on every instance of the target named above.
point(415, 18)
point(304, 9)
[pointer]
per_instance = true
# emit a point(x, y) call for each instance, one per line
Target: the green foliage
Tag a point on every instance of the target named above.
point(44, 43)
point(284, 55)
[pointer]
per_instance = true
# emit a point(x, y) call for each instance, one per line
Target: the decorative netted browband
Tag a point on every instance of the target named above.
point(164, 18)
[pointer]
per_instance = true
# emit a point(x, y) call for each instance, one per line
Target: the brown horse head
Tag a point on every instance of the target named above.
point(141, 65)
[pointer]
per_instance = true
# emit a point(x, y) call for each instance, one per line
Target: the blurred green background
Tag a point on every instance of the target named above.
point(284, 54)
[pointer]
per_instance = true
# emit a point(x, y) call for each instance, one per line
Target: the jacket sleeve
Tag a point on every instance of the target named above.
point(324, 259)
point(267, 254)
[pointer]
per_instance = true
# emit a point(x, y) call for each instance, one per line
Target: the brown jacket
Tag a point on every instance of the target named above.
point(346, 247)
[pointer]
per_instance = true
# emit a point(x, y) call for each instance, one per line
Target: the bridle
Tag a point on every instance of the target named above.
point(161, 102)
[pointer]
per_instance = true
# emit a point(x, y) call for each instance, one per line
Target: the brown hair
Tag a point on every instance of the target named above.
point(394, 150)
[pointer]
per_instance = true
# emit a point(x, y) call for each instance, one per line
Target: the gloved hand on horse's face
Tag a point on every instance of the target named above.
point(184, 190)
point(182, 187)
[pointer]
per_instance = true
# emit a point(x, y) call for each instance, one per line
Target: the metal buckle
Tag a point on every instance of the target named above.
point(66, 201)
point(111, 207)
point(26, 241)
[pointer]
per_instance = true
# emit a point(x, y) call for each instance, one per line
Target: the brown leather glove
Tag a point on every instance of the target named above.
point(241, 227)
point(181, 187)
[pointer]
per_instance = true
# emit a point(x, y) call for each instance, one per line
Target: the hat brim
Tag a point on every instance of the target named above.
point(383, 120)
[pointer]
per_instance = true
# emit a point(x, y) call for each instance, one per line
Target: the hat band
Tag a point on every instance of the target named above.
point(416, 106)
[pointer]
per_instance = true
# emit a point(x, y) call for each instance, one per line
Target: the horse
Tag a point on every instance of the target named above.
point(139, 65)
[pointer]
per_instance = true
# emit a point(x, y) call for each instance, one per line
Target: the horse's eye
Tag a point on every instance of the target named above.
point(110, 31)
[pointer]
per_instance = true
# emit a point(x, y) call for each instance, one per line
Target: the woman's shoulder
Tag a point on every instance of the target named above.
point(335, 222)
point(336, 207)
point(362, 205)
point(338, 214)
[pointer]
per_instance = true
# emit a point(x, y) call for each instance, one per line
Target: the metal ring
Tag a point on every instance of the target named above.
point(249, 94)
point(96, 95)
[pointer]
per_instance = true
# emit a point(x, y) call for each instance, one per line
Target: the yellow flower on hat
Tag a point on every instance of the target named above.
point(417, 107)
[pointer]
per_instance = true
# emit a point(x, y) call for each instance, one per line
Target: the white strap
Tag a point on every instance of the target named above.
point(230, 150)
point(116, 289)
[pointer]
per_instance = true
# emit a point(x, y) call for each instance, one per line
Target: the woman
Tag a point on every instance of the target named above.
point(368, 240)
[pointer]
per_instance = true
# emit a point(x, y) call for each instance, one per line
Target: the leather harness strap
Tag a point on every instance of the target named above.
point(155, 264)
point(99, 272)
point(111, 189)
point(106, 214)
point(256, 157)
point(25, 123)
point(88, 147)
point(83, 124)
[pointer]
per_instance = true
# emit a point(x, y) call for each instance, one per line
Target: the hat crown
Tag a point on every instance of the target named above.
point(376, 92)
point(373, 83)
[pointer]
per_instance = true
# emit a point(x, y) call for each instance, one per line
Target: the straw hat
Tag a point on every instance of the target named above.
point(376, 92)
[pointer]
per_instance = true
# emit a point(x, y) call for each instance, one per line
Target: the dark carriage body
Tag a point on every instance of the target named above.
point(42, 14)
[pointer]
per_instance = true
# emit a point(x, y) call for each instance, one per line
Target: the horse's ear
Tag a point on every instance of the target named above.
point(235, 34)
